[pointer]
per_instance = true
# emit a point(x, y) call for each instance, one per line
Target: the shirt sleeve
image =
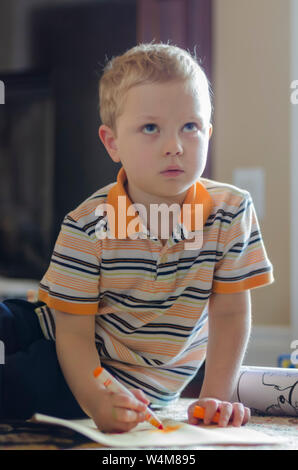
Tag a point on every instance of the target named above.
point(71, 283)
point(244, 264)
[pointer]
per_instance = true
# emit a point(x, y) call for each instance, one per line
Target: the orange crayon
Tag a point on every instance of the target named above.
point(112, 384)
point(199, 412)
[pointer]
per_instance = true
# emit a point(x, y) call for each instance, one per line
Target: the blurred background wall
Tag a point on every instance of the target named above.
point(255, 60)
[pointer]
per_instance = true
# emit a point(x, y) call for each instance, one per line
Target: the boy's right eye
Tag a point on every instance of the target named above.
point(149, 128)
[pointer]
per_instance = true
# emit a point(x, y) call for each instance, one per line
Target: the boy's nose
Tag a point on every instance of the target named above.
point(174, 148)
point(179, 152)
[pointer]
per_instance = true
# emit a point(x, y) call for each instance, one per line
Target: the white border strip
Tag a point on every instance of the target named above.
point(294, 174)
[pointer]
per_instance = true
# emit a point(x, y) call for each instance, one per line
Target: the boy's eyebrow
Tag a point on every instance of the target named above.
point(146, 116)
point(199, 117)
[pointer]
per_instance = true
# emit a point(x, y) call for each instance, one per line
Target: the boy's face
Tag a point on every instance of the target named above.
point(162, 125)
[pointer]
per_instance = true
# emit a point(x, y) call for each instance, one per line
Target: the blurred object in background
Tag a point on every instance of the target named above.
point(26, 168)
point(18, 289)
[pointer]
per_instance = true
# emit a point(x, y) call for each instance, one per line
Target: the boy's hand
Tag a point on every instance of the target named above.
point(237, 413)
point(118, 412)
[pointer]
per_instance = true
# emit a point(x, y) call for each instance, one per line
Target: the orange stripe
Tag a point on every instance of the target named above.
point(71, 245)
point(68, 307)
point(72, 283)
point(122, 351)
point(249, 259)
point(230, 288)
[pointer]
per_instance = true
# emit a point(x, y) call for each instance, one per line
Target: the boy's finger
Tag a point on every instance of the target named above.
point(129, 416)
point(247, 415)
point(128, 402)
point(114, 413)
point(238, 414)
point(210, 410)
point(140, 395)
point(122, 426)
point(226, 410)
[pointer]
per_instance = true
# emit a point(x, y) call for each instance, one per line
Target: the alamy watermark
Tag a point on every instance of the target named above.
point(136, 228)
point(2, 92)
point(294, 94)
point(2, 353)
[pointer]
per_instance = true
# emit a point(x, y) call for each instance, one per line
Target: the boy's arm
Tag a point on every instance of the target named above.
point(78, 357)
point(229, 330)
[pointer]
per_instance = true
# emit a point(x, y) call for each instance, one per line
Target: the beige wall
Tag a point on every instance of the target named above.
point(252, 125)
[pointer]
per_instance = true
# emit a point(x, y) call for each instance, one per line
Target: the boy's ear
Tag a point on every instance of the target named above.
point(108, 139)
point(210, 130)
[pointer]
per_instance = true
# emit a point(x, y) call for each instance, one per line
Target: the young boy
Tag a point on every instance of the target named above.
point(148, 306)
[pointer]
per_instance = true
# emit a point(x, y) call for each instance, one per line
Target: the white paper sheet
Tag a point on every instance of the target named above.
point(175, 434)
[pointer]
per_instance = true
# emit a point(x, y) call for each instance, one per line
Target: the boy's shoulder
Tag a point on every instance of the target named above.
point(85, 213)
point(225, 194)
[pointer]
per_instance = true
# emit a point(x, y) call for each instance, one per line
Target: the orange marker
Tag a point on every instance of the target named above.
point(112, 384)
point(199, 412)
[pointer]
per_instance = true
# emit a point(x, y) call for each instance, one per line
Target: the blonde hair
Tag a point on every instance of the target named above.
point(147, 63)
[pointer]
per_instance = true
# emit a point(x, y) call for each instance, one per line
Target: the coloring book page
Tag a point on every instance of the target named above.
point(175, 433)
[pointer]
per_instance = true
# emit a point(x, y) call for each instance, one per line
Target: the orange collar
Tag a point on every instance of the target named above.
point(197, 194)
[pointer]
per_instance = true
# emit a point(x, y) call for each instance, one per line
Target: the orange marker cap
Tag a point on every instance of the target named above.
point(199, 412)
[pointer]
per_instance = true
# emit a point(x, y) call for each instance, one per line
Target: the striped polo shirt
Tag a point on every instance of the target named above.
point(151, 301)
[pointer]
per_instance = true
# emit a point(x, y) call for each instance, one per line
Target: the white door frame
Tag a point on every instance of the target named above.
point(294, 174)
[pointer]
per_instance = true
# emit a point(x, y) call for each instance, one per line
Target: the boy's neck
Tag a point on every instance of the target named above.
point(155, 228)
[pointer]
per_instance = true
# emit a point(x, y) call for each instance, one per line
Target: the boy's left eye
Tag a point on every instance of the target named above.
point(191, 126)
point(149, 128)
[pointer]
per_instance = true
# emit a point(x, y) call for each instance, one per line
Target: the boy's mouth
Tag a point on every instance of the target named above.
point(172, 171)
point(172, 168)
